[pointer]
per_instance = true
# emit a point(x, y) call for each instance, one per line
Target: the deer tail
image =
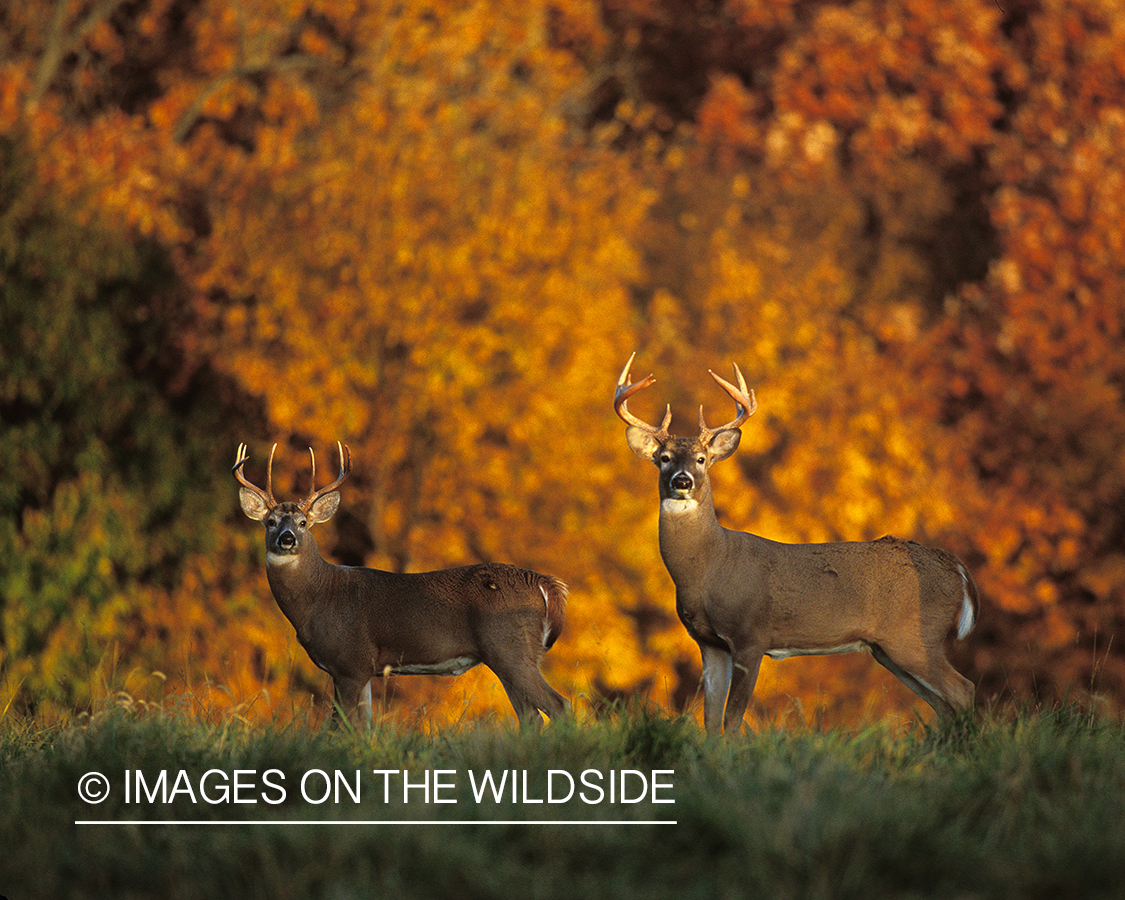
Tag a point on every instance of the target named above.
point(554, 601)
point(970, 602)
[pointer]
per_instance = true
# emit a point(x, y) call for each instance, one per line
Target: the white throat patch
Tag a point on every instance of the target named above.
point(676, 507)
point(281, 559)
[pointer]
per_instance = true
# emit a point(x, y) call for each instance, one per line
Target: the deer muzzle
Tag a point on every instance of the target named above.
point(682, 482)
point(287, 540)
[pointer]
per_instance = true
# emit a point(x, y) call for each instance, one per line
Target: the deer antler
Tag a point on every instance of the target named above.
point(240, 461)
point(744, 403)
point(625, 390)
point(345, 467)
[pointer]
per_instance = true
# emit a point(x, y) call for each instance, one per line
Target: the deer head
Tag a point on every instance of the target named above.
point(287, 524)
point(683, 461)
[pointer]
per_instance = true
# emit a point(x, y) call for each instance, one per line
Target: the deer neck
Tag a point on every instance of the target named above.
point(298, 582)
point(690, 535)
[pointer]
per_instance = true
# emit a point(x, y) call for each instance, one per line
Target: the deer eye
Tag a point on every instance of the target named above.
point(302, 523)
point(271, 522)
point(701, 459)
point(665, 458)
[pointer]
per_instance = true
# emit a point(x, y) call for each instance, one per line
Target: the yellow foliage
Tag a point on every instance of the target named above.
point(420, 229)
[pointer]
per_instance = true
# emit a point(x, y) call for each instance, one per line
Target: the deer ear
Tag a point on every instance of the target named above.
point(324, 508)
point(723, 444)
point(641, 442)
point(253, 504)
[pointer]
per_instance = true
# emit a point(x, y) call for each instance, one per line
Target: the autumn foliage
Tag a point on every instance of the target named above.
point(436, 229)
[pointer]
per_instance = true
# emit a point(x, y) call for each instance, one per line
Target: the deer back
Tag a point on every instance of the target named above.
point(839, 594)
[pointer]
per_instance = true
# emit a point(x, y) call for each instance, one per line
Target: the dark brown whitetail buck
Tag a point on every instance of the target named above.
point(357, 623)
point(742, 597)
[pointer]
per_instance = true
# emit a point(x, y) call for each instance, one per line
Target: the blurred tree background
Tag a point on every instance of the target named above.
point(435, 230)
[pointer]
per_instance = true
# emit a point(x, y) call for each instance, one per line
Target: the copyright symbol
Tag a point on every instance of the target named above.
point(93, 787)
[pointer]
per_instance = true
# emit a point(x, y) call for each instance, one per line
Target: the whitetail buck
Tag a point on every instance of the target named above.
point(356, 623)
point(742, 597)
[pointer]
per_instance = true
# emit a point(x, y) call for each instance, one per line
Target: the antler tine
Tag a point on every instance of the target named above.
point(625, 390)
point(345, 468)
point(240, 460)
point(745, 404)
point(269, 473)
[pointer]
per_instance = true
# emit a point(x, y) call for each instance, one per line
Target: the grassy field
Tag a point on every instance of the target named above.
point(1026, 806)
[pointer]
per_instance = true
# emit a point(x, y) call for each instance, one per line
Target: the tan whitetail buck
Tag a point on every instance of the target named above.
point(742, 597)
point(356, 623)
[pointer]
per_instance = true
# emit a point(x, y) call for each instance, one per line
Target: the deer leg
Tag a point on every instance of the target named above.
point(546, 699)
point(960, 691)
point(955, 690)
point(745, 675)
point(353, 698)
point(514, 659)
point(717, 664)
point(933, 679)
point(529, 693)
point(365, 710)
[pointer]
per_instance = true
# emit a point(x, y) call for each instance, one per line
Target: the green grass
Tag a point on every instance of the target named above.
point(1029, 805)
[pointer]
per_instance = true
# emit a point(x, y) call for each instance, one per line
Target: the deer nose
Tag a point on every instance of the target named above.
point(287, 540)
point(682, 481)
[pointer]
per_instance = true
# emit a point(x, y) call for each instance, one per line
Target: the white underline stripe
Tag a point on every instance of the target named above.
point(375, 822)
